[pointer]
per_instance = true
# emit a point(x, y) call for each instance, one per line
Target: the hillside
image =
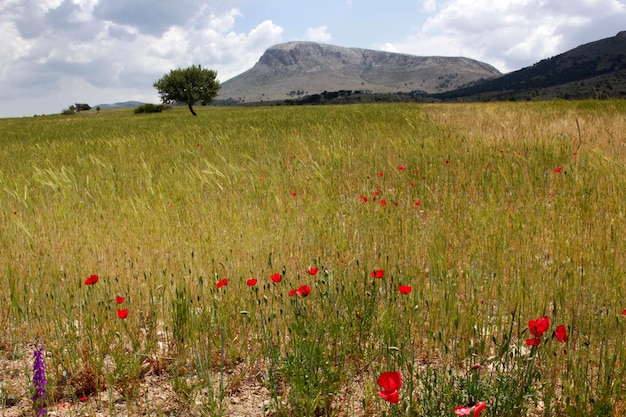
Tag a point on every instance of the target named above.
point(593, 70)
point(296, 69)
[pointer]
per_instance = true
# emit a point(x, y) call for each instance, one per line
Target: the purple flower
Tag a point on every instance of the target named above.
point(39, 382)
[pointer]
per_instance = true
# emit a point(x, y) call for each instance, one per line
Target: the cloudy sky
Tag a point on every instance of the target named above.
point(58, 52)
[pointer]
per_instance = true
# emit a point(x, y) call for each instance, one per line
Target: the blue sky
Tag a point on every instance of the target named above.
point(58, 52)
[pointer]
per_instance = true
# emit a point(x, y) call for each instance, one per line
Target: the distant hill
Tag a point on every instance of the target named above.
point(297, 69)
point(122, 105)
point(593, 70)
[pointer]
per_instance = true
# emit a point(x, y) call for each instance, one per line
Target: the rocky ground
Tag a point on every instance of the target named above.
point(156, 395)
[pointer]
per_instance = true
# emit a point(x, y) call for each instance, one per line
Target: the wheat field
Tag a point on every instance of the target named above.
point(428, 236)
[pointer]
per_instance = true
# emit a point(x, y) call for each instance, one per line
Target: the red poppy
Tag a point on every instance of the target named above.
point(380, 174)
point(251, 282)
point(291, 293)
point(418, 203)
point(275, 277)
point(390, 382)
point(92, 280)
point(624, 312)
point(400, 167)
point(539, 326)
point(383, 202)
point(561, 333)
point(83, 399)
point(363, 198)
point(470, 410)
point(447, 161)
point(535, 341)
point(405, 289)
point(303, 291)
point(122, 313)
point(119, 299)
point(378, 273)
point(221, 283)
point(557, 170)
point(293, 194)
point(312, 271)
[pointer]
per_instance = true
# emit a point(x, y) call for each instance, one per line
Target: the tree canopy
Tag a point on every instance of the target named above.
point(188, 85)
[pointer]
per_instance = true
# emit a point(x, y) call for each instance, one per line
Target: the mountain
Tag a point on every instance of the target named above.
point(296, 69)
point(593, 70)
point(121, 105)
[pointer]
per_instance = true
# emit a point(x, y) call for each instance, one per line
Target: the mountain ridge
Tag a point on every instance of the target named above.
point(301, 68)
point(595, 69)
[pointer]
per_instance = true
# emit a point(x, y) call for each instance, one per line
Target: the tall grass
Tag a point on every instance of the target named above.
point(494, 214)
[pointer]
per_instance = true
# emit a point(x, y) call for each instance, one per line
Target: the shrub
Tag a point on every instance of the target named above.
point(149, 108)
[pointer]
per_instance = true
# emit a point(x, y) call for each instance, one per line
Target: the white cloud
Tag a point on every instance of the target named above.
point(104, 60)
point(318, 34)
point(429, 6)
point(510, 34)
point(12, 48)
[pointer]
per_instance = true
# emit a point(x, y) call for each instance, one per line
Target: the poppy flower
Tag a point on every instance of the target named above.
point(405, 289)
point(535, 341)
point(275, 277)
point(400, 167)
point(92, 280)
point(470, 410)
point(122, 313)
point(561, 333)
point(390, 382)
point(312, 271)
point(417, 203)
point(383, 202)
point(624, 312)
point(293, 194)
point(539, 326)
point(303, 291)
point(363, 198)
point(119, 299)
point(251, 282)
point(221, 283)
point(291, 293)
point(557, 170)
point(380, 174)
point(378, 273)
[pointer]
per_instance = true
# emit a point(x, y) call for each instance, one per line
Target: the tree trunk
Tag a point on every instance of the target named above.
point(191, 110)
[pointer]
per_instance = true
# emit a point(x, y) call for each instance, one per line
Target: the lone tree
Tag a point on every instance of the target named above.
point(188, 85)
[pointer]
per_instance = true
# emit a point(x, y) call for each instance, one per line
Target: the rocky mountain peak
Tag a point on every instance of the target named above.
point(310, 68)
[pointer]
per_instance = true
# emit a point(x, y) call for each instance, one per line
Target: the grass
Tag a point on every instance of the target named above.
point(478, 222)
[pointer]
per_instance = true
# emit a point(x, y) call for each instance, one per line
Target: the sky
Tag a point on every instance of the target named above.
point(55, 53)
